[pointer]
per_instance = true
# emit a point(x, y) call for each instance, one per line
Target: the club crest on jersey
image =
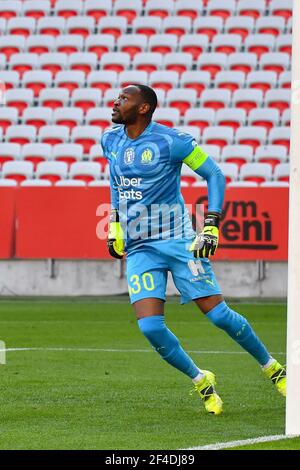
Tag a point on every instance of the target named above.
point(129, 156)
point(147, 156)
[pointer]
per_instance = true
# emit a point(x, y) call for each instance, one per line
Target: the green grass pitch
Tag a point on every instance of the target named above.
point(106, 389)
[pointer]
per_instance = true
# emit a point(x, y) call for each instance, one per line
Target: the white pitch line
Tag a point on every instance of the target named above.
point(228, 445)
point(122, 350)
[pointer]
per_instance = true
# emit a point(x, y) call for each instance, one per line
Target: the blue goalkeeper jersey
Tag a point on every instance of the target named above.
point(145, 181)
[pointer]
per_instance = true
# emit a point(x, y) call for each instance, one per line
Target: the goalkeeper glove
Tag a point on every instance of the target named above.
point(206, 242)
point(115, 240)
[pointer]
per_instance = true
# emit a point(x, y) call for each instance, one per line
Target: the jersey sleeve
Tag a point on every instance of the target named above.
point(104, 145)
point(182, 146)
point(114, 194)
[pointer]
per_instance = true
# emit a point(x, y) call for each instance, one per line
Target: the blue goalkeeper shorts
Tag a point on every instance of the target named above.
point(148, 266)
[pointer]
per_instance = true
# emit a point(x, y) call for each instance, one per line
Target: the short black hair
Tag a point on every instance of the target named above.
point(148, 95)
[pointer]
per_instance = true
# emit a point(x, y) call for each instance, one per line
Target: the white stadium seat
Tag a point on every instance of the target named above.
point(21, 26)
point(148, 61)
point(251, 135)
point(85, 136)
point(40, 43)
point(97, 10)
point(52, 25)
point(232, 80)
point(282, 172)
point(102, 79)
point(36, 9)
point(53, 134)
point(9, 152)
point(163, 43)
point(117, 61)
point(148, 25)
point(54, 97)
point(99, 44)
point(272, 154)
point(68, 153)
point(238, 154)
point(37, 116)
point(194, 44)
point(265, 117)
point(164, 79)
point(232, 117)
point(227, 43)
point(70, 117)
point(254, 9)
point(257, 172)
point(36, 153)
point(70, 79)
point(86, 98)
point(85, 171)
point(19, 99)
point(196, 80)
point(182, 99)
point(167, 116)
point(132, 76)
point(52, 171)
point(18, 171)
point(20, 134)
point(218, 135)
point(69, 43)
point(215, 99)
point(67, 9)
point(199, 117)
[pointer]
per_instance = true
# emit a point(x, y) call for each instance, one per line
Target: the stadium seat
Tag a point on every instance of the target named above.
point(272, 154)
point(289, 26)
point(99, 44)
point(218, 135)
point(168, 116)
point(22, 62)
point(100, 117)
point(178, 61)
point(128, 10)
point(261, 80)
point(208, 25)
point(96, 155)
point(163, 43)
point(51, 25)
point(7, 183)
point(278, 99)
point(3, 62)
point(254, 9)
point(69, 43)
point(97, 183)
point(86, 98)
point(8, 117)
point(53, 61)
point(19, 99)
point(281, 172)
point(242, 25)
point(274, 184)
point(177, 25)
point(230, 80)
point(282, 8)
point(53, 134)
point(215, 99)
point(232, 117)
point(284, 79)
point(221, 8)
point(117, 61)
point(35, 182)
point(194, 131)
point(85, 171)
point(2, 26)
point(148, 25)
point(52, 171)
point(257, 172)
point(147, 61)
point(270, 25)
point(83, 61)
point(196, 80)
point(132, 76)
point(70, 117)
point(163, 79)
point(132, 43)
point(286, 118)
point(159, 8)
point(194, 44)
point(259, 44)
point(72, 183)
point(247, 99)
point(113, 25)
point(36, 10)
point(264, 117)
point(242, 61)
point(70, 79)
point(192, 9)
point(10, 9)
point(36, 153)
point(251, 135)
point(68, 153)
point(40, 43)
point(80, 25)
point(237, 154)
point(213, 151)
point(10, 78)
point(54, 97)
point(110, 97)
point(284, 43)
point(67, 9)
point(37, 116)
point(212, 62)
point(17, 171)
point(102, 79)
point(97, 10)
point(20, 26)
point(9, 152)
point(199, 117)
point(280, 136)
point(226, 43)
point(230, 171)
point(85, 136)
point(182, 99)
point(276, 61)
point(243, 184)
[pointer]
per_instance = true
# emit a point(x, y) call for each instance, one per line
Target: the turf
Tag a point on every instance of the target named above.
point(283, 444)
point(128, 399)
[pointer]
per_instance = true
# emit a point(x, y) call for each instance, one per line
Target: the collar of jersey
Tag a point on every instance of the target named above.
point(145, 131)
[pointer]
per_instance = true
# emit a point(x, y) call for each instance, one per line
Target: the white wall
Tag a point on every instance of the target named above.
point(71, 278)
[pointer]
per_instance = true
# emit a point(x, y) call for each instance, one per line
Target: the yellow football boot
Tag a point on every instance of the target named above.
point(276, 372)
point(206, 389)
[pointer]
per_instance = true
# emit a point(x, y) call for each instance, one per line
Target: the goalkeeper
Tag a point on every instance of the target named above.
point(145, 161)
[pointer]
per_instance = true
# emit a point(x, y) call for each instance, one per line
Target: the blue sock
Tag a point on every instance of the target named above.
point(167, 345)
point(239, 329)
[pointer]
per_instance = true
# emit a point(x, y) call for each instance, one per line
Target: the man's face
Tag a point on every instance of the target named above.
point(127, 106)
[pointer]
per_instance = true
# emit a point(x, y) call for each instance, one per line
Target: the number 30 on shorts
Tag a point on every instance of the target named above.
point(137, 283)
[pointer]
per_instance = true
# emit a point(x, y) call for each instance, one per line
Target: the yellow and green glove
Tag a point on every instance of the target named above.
point(115, 239)
point(206, 242)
